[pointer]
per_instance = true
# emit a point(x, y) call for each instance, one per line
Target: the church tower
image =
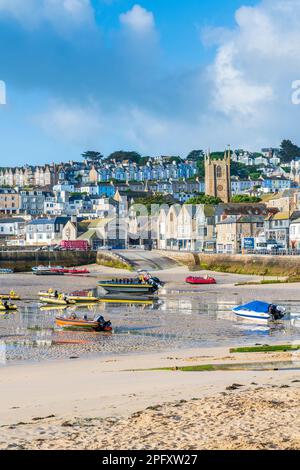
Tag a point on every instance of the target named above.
point(217, 176)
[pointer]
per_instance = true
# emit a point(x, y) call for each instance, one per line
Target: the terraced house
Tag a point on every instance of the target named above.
point(187, 228)
point(9, 201)
point(45, 231)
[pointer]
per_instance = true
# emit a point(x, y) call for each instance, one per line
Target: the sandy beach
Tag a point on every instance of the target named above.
point(122, 401)
point(111, 404)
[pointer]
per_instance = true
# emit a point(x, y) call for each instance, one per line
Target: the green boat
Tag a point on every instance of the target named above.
point(133, 287)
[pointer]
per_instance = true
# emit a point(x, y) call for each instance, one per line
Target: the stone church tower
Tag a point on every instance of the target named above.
point(217, 177)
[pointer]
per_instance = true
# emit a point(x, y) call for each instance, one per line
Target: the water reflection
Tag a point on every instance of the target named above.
point(165, 323)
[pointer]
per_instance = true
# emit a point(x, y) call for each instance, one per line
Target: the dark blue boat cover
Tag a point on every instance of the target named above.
point(255, 306)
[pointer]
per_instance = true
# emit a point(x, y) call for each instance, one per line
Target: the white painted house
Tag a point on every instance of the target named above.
point(45, 231)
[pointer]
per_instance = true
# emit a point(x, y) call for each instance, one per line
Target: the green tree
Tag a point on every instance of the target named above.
point(121, 155)
point(244, 171)
point(288, 151)
point(195, 155)
point(245, 198)
point(92, 156)
point(155, 199)
point(204, 199)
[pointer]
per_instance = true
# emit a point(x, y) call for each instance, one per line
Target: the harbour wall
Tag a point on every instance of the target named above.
point(22, 260)
point(239, 264)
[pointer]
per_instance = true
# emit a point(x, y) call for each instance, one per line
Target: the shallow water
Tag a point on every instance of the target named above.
point(173, 321)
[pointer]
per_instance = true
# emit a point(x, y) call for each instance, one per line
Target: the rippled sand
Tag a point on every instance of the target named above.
point(259, 418)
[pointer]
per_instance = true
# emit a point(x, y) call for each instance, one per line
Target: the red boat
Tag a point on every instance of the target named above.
point(70, 270)
point(200, 280)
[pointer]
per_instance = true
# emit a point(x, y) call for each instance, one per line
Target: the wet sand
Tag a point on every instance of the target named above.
point(103, 402)
point(28, 285)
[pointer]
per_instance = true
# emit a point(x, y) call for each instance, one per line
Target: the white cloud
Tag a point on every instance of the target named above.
point(234, 92)
point(252, 74)
point(59, 13)
point(244, 98)
point(138, 19)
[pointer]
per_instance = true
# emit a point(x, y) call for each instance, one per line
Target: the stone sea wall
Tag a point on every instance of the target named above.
point(24, 260)
point(240, 264)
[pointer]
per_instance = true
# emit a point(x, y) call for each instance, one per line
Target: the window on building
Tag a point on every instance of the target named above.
point(219, 171)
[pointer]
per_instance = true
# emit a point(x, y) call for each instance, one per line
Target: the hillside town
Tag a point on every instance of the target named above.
point(239, 202)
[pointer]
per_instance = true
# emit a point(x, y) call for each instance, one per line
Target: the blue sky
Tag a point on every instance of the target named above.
point(155, 76)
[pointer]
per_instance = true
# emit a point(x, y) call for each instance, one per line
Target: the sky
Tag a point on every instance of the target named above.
point(161, 77)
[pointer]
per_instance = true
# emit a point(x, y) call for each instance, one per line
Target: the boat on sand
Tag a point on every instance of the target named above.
point(57, 301)
point(83, 324)
point(200, 280)
point(144, 284)
point(11, 296)
point(7, 308)
point(258, 310)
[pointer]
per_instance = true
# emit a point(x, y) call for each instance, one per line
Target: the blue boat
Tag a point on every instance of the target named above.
point(258, 310)
point(6, 271)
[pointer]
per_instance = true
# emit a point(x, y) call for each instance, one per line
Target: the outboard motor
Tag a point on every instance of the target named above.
point(158, 281)
point(277, 312)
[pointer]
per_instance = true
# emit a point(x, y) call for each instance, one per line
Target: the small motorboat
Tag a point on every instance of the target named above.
point(47, 273)
point(257, 310)
point(6, 271)
point(144, 284)
point(83, 324)
point(11, 296)
point(8, 308)
point(73, 271)
point(200, 280)
point(125, 286)
point(60, 300)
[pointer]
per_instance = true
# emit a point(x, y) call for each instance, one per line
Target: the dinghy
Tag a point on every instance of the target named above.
point(11, 296)
point(56, 301)
point(200, 280)
point(8, 308)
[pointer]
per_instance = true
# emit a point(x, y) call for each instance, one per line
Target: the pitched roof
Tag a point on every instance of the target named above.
point(12, 220)
point(281, 216)
point(98, 223)
point(92, 233)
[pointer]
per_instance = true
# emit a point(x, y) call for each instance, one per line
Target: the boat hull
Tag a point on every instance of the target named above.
point(251, 315)
point(84, 299)
point(9, 297)
point(200, 281)
point(81, 324)
point(128, 288)
point(54, 301)
point(71, 271)
point(10, 308)
point(47, 273)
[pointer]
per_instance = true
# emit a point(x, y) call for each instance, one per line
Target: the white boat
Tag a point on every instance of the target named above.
point(6, 271)
point(261, 311)
point(49, 270)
